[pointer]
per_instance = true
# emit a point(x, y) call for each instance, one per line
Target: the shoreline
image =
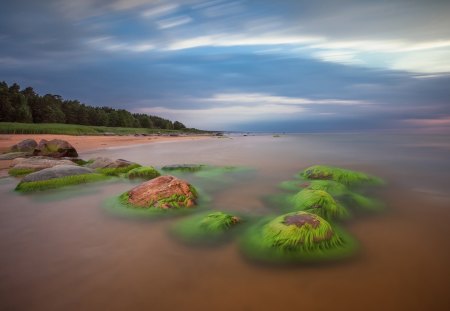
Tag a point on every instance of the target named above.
point(87, 143)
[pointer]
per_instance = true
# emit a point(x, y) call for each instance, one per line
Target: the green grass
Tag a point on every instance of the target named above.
point(75, 129)
point(117, 171)
point(18, 172)
point(53, 183)
point(205, 228)
point(143, 172)
point(319, 202)
point(344, 176)
point(272, 240)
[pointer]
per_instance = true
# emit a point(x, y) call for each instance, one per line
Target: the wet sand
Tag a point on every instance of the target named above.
point(65, 252)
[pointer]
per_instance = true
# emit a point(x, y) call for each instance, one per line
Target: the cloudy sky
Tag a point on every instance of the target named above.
point(259, 65)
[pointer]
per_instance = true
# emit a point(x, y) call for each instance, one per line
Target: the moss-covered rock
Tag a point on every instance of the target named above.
point(206, 227)
point(296, 237)
point(164, 192)
point(19, 172)
point(56, 148)
point(344, 176)
point(319, 202)
point(330, 186)
point(117, 171)
point(143, 172)
point(184, 167)
point(59, 182)
point(27, 145)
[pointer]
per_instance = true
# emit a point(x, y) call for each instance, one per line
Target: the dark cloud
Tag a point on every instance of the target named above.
point(89, 50)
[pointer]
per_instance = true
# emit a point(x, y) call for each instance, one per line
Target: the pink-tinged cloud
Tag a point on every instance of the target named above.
point(438, 122)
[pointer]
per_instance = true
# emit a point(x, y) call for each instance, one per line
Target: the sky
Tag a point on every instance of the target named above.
point(244, 65)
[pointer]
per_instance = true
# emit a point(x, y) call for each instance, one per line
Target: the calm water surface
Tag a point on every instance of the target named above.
point(63, 251)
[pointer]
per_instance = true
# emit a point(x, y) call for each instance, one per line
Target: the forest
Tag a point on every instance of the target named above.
point(26, 106)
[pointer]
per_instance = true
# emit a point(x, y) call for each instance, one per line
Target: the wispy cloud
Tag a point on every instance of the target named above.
point(173, 22)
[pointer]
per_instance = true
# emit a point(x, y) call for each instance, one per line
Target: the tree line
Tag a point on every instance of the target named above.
point(26, 106)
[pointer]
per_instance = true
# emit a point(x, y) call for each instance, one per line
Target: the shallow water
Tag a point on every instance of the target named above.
point(64, 251)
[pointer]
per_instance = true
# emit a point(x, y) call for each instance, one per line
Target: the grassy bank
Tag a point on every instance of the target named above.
point(74, 129)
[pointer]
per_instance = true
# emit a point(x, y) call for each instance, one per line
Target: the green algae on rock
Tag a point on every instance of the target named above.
point(184, 167)
point(333, 187)
point(19, 172)
point(59, 182)
point(206, 227)
point(143, 172)
point(164, 192)
point(344, 176)
point(319, 202)
point(296, 237)
point(117, 171)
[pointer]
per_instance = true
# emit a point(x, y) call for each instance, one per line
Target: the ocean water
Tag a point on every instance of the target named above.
point(62, 250)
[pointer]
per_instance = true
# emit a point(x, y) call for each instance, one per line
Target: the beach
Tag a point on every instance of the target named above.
point(86, 143)
point(64, 250)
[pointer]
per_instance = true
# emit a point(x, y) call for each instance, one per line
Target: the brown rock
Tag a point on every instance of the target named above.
point(102, 162)
point(55, 148)
point(163, 192)
point(27, 145)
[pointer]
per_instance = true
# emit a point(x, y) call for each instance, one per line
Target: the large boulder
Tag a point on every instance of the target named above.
point(39, 163)
point(55, 148)
point(103, 162)
point(57, 172)
point(162, 192)
point(27, 145)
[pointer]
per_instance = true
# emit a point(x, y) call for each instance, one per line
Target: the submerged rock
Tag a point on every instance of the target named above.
point(56, 177)
point(205, 228)
point(344, 176)
point(162, 192)
point(27, 145)
point(300, 230)
point(184, 167)
point(297, 237)
point(56, 148)
point(143, 172)
point(57, 172)
point(319, 202)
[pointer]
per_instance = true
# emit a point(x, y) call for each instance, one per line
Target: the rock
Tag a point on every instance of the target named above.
point(56, 148)
point(162, 192)
point(57, 172)
point(184, 167)
point(14, 155)
point(39, 163)
point(102, 162)
point(27, 145)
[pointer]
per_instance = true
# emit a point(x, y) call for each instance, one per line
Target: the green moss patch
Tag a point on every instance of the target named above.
point(18, 172)
point(205, 228)
point(330, 186)
point(184, 167)
point(344, 176)
point(116, 171)
point(296, 237)
point(143, 172)
point(319, 202)
point(53, 183)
